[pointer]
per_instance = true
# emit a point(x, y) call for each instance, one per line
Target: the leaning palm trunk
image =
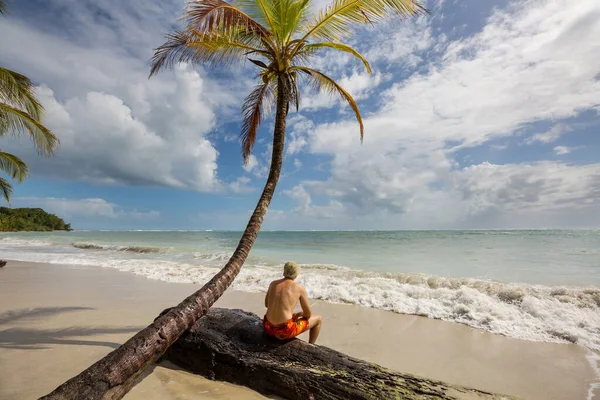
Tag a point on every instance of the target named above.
point(114, 375)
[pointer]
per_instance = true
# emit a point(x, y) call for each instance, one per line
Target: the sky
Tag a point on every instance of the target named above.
point(480, 115)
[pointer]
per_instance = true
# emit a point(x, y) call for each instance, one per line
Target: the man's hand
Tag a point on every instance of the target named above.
point(297, 315)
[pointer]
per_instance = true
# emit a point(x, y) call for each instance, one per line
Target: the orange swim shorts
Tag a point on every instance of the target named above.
point(287, 330)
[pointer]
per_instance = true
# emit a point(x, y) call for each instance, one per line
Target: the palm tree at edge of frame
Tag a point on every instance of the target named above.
point(20, 113)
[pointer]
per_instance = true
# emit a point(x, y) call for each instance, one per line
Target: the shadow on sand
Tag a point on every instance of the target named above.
point(38, 339)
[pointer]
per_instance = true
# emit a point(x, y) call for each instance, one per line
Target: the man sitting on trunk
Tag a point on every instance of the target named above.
point(282, 296)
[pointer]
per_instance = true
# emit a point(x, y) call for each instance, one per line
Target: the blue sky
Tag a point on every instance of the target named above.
point(480, 115)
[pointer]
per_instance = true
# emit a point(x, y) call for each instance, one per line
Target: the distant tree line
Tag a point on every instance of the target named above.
point(30, 219)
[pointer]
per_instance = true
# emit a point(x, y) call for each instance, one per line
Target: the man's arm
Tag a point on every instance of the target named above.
point(306, 311)
point(267, 297)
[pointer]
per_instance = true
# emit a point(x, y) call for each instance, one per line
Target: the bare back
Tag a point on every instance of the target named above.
point(281, 299)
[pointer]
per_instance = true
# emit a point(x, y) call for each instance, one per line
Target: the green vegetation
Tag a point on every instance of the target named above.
point(30, 219)
point(20, 113)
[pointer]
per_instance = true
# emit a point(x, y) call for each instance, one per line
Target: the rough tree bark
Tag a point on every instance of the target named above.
point(229, 345)
point(115, 374)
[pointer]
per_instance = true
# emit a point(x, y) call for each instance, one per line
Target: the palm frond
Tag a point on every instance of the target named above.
point(320, 81)
point(335, 21)
point(203, 48)
point(13, 166)
point(258, 102)
point(265, 11)
point(6, 189)
point(296, 13)
point(2, 7)
point(18, 90)
point(340, 47)
point(16, 122)
point(220, 16)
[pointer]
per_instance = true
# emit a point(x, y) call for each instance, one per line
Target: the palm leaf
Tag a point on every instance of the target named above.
point(338, 46)
point(16, 122)
point(218, 15)
point(2, 7)
point(256, 104)
point(6, 189)
point(18, 90)
point(203, 48)
point(296, 13)
point(335, 21)
point(320, 81)
point(13, 166)
point(266, 11)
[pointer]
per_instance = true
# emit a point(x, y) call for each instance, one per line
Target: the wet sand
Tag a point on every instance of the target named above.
point(56, 320)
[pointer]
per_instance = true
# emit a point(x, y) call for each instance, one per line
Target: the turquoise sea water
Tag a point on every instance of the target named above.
point(550, 257)
point(537, 285)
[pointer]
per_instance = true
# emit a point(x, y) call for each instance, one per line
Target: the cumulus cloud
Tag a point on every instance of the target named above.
point(562, 150)
point(105, 140)
point(544, 186)
point(404, 44)
point(537, 195)
point(251, 164)
point(298, 130)
point(240, 185)
point(116, 126)
point(531, 62)
point(552, 135)
point(92, 207)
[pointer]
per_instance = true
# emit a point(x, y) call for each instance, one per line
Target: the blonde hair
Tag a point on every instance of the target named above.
point(291, 270)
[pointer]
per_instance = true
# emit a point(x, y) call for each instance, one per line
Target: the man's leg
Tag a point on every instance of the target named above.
point(314, 324)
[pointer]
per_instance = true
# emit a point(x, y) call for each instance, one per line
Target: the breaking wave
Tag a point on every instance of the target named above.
point(133, 249)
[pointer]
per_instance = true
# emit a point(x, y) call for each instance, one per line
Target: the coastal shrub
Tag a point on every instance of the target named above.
point(30, 219)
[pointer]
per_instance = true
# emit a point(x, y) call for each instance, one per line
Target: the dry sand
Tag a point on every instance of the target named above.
point(56, 320)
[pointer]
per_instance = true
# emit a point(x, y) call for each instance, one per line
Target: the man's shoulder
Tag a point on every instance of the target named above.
point(299, 287)
point(275, 282)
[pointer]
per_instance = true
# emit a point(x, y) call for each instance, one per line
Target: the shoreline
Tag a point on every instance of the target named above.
point(50, 313)
point(536, 312)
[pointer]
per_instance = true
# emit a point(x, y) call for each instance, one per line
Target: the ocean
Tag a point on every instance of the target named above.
point(535, 285)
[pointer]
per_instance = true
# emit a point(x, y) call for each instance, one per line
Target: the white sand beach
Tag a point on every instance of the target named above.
point(56, 320)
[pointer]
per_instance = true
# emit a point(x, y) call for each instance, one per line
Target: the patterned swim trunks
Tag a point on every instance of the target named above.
point(287, 330)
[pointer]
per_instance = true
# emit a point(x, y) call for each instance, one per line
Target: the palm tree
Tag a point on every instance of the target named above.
point(20, 113)
point(282, 36)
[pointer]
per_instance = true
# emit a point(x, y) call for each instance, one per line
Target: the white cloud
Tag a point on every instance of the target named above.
point(296, 145)
point(115, 125)
point(552, 135)
point(403, 43)
point(92, 207)
point(298, 129)
point(251, 164)
point(561, 150)
point(105, 140)
point(240, 185)
point(538, 195)
point(544, 186)
point(532, 62)
point(360, 84)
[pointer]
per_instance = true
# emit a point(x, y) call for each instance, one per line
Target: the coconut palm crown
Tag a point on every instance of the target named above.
point(279, 37)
